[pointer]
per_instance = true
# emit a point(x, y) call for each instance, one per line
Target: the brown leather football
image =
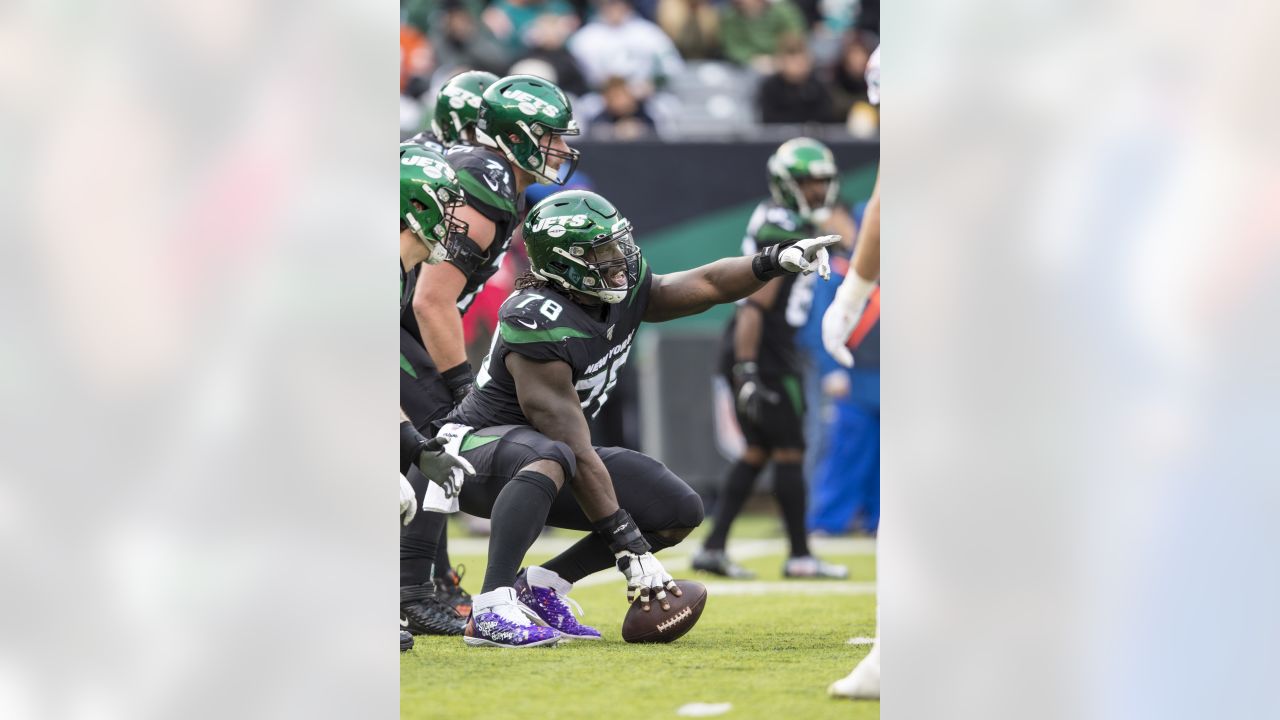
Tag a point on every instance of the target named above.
point(662, 626)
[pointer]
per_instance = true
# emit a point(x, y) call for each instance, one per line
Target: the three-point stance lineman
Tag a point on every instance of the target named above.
point(562, 338)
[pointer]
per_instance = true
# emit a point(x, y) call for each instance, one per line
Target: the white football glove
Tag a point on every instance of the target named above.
point(646, 577)
point(843, 315)
point(408, 502)
point(806, 256)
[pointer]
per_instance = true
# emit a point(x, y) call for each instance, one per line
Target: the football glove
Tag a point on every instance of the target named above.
point(435, 462)
point(752, 397)
point(802, 256)
point(646, 578)
point(843, 315)
point(809, 255)
point(408, 501)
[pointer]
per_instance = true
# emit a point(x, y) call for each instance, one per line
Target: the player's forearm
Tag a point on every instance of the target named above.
point(441, 327)
point(747, 329)
point(866, 256)
point(693, 291)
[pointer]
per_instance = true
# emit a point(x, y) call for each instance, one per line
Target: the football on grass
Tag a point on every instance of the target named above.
point(662, 626)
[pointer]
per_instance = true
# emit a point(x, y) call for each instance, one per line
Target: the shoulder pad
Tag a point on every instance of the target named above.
point(530, 316)
point(428, 140)
point(485, 176)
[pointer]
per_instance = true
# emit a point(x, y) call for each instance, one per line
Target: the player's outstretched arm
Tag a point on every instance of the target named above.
point(690, 292)
point(550, 401)
point(435, 306)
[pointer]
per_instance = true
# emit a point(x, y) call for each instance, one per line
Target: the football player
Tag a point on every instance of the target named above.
point(424, 541)
point(429, 197)
point(863, 682)
point(523, 121)
point(563, 336)
point(763, 365)
point(457, 109)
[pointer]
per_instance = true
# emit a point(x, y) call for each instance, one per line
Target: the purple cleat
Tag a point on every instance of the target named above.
point(547, 594)
point(499, 620)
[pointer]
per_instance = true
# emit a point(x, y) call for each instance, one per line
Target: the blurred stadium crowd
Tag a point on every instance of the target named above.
point(638, 69)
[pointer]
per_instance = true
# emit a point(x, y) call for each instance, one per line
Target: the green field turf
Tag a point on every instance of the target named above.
point(771, 655)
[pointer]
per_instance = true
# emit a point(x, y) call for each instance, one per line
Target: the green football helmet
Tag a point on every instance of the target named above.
point(458, 105)
point(798, 160)
point(579, 241)
point(429, 196)
point(522, 115)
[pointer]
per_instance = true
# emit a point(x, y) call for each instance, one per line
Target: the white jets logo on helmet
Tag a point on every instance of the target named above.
point(459, 97)
point(555, 225)
point(530, 104)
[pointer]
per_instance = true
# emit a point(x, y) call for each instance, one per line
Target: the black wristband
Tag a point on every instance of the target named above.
point(412, 443)
point(765, 263)
point(620, 531)
point(458, 379)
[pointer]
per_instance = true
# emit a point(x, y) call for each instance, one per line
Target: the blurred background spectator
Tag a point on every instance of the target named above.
point(623, 116)
point(460, 40)
point(620, 43)
point(794, 94)
point(848, 83)
point(546, 38)
point(752, 29)
point(693, 26)
point(509, 19)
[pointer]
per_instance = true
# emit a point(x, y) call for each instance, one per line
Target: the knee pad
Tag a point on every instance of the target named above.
point(557, 452)
point(689, 513)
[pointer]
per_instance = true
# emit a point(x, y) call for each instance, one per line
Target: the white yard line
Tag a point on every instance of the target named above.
point(677, 559)
point(739, 549)
point(790, 587)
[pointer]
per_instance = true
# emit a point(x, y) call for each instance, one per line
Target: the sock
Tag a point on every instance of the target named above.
point(517, 517)
point(544, 578)
point(737, 487)
point(788, 488)
point(443, 563)
point(419, 548)
point(486, 600)
point(591, 554)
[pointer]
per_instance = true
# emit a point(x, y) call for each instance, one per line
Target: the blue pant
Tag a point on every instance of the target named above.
point(846, 485)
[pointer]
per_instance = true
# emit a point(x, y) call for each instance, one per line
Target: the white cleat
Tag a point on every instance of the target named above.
point(864, 682)
point(811, 567)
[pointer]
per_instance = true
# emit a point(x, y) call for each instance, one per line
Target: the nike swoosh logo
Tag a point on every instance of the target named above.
point(404, 621)
point(621, 527)
point(492, 185)
point(531, 326)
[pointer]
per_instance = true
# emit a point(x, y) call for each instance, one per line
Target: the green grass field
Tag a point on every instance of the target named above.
point(768, 647)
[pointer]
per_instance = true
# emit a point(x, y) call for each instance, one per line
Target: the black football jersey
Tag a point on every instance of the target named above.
point(545, 324)
point(408, 279)
point(771, 224)
point(489, 183)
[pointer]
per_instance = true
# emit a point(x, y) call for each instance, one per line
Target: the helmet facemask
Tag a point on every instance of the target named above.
point(611, 265)
point(444, 234)
point(536, 159)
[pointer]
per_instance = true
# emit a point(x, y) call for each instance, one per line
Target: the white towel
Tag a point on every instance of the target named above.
point(438, 499)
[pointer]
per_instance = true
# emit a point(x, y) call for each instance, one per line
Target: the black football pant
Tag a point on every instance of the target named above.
point(425, 398)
